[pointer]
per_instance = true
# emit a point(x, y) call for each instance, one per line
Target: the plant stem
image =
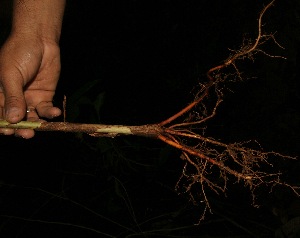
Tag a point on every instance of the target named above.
point(151, 130)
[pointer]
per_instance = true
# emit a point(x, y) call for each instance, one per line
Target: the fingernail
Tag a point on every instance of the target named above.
point(53, 116)
point(13, 114)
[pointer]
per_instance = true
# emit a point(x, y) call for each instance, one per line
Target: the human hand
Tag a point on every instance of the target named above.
point(29, 72)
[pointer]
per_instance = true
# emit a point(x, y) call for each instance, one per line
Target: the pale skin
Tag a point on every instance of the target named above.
point(30, 64)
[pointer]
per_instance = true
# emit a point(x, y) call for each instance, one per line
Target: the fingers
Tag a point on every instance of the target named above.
point(24, 133)
point(31, 115)
point(37, 107)
point(46, 110)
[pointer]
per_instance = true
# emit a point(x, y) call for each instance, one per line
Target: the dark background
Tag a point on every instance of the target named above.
point(137, 62)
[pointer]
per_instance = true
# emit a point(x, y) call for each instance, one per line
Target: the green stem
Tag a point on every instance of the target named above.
point(21, 125)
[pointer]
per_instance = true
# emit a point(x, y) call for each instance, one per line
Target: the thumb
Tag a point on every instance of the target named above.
point(15, 105)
